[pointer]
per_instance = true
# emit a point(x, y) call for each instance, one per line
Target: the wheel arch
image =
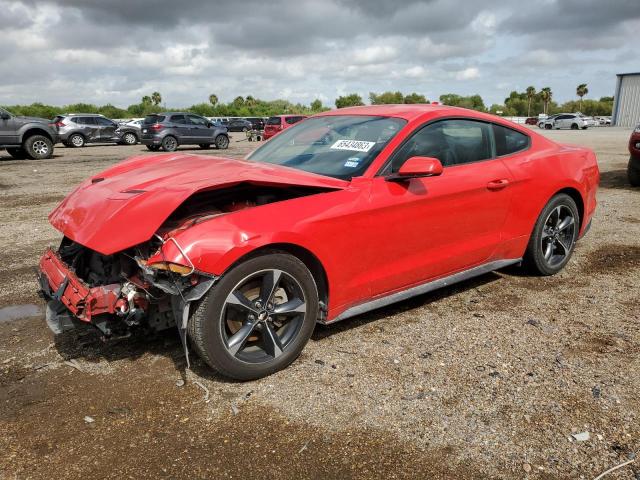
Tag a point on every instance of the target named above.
point(310, 260)
point(31, 131)
point(577, 197)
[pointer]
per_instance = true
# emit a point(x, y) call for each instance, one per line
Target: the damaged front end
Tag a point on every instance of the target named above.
point(120, 293)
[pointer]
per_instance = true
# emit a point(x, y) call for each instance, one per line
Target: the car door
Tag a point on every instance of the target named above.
point(562, 121)
point(106, 129)
point(88, 127)
point(444, 224)
point(182, 128)
point(200, 131)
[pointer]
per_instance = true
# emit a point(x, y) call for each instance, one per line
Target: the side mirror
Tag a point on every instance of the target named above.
point(417, 167)
point(209, 124)
point(5, 116)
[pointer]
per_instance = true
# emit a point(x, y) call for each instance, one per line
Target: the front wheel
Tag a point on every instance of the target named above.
point(554, 236)
point(548, 126)
point(633, 171)
point(222, 142)
point(257, 319)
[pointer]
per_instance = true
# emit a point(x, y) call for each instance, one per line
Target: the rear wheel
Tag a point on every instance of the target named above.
point(38, 147)
point(129, 138)
point(554, 236)
point(17, 152)
point(169, 144)
point(633, 171)
point(205, 146)
point(257, 318)
point(153, 148)
point(76, 140)
point(222, 142)
point(574, 126)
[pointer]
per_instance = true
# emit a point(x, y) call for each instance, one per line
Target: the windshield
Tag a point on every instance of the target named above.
point(340, 146)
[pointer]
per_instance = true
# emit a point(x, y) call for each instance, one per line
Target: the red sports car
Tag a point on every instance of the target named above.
point(343, 213)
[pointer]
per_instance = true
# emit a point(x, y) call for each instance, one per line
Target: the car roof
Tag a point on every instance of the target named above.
point(83, 114)
point(412, 111)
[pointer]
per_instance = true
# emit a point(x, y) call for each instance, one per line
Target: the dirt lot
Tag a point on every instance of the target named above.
point(487, 379)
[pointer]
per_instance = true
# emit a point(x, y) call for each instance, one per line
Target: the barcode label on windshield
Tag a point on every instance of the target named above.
point(353, 145)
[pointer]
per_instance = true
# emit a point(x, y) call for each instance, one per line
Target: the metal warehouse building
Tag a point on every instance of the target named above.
point(626, 104)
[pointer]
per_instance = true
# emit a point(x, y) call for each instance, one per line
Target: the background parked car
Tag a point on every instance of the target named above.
point(531, 121)
point(239, 125)
point(257, 123)
point(633, 168)
point(76, 130)
point(573, 121)
point(134, 122)
point(278, 123)
point(26, 136)
point(542, 121)
point(169, 130)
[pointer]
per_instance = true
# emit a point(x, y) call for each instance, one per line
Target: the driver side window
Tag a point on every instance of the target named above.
point(453, 142)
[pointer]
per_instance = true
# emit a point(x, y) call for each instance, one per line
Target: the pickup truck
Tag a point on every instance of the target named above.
point(26, 137)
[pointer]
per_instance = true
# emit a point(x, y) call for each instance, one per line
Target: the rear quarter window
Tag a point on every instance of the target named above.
point(509, 141)
point(273, 121)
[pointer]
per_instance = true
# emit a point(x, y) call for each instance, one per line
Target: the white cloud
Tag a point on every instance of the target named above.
point(467, 74)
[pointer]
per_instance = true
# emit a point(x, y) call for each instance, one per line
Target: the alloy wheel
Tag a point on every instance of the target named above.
point(130, 139)
point(77, 141)
point(262, 315)
point(222, 142)
point(40, 148)
point(558, 235)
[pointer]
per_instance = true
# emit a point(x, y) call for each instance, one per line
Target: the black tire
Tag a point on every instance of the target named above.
point(209, 325)
point(17, 152)
point(547, 126)
point(562, 240)
point(76, 140)
point(153, 148)
point(222, 142)
point(38, 147)
point(574, 126)
point(633, 171)
point(129, 138)
point(205, 146)
point(169, 143)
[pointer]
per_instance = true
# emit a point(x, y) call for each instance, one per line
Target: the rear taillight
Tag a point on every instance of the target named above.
point(156, 127)
point(58, 124)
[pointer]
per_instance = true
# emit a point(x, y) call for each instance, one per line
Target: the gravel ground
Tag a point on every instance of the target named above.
point(486, 379)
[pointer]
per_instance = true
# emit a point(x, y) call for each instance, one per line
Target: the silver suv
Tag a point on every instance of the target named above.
point(78, 129)
point(565, 120)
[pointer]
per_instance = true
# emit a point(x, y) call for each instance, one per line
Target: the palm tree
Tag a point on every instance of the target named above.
point(545, 95)
point(213, 99)
point(581, 91)
point(249, 101)
point(146, 100)
point(156, 98)
point(531, 92)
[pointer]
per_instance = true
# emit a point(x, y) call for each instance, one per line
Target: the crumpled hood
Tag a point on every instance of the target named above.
point(126, 204)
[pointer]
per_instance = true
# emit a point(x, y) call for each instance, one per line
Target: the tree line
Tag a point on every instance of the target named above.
point(530, 102)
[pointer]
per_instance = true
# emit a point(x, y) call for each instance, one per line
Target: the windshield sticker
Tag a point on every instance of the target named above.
point(353, 145)
point(351, 164)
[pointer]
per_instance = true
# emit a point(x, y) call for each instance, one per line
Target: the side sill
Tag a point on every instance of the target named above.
point(423, 288)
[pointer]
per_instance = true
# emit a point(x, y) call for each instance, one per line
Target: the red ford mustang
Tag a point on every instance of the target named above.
point(342, 213)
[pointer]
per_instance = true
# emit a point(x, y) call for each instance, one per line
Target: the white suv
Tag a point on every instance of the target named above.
point(566, 120)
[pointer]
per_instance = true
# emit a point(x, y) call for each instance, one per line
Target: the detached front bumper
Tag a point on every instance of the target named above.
point(58, 282)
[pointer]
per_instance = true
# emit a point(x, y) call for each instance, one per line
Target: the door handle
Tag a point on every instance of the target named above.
point(498, 184)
